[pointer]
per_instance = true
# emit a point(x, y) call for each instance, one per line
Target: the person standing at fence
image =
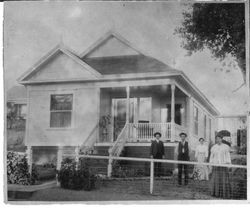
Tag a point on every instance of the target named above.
point(157, 152)
point(183, 155)
point(220, 183)
point(201, 155)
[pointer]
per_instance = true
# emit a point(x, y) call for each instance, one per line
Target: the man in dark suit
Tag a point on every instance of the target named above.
point(183, 155)
point(157, 152)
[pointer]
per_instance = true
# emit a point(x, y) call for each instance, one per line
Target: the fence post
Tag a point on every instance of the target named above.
point(77, 150)
point(151, 177)
point(58, 163)
point(109, 173)
point(29, 158)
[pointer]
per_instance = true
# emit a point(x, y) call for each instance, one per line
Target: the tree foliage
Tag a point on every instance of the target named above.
point(218, 27)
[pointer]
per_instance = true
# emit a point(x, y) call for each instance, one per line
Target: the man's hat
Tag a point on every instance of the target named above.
point(183, 134)
point(157, 133)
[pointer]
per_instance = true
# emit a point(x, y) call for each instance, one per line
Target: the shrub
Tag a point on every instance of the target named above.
point(79, 179)
point(18, 171)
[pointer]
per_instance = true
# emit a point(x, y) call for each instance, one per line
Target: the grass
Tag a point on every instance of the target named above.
point(125, 190)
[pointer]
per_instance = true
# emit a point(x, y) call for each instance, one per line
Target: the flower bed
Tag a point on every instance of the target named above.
point(18, 171)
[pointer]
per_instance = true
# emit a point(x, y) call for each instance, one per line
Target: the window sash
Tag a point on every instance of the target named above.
point(196, 120)
point(61, 110)
point(60, 119)
point(205, 126)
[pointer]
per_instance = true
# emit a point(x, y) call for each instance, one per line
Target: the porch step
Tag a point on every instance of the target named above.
point(98, 166)
point(101, 150)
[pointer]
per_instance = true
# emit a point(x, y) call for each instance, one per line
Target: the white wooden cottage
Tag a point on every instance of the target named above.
point(113, 97)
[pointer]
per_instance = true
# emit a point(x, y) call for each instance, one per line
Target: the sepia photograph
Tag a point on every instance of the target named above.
point(126, 101)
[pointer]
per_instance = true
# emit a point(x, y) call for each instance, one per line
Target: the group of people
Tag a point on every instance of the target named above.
point(218, 154)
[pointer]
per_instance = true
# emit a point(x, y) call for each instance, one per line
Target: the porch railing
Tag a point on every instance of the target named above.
point(145, 131)
point(88, 144)
point(116, 149)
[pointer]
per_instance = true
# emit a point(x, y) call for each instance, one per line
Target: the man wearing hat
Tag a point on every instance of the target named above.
point(183, 155)
point(157, 152)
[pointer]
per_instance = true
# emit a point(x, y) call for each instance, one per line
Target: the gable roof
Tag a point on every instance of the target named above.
point(127, 64)
point(49, 56)
point(107, 37)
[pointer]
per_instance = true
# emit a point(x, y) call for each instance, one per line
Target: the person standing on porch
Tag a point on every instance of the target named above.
point(183, 155)
point(157, 152)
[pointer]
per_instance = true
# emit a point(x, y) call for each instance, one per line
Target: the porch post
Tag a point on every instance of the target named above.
point(128, 99)
point(128, 108)
point(109, 169)
point(172, 112)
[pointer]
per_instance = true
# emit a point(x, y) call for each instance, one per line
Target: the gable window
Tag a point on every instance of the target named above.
point(61, 110)
point(196, 120)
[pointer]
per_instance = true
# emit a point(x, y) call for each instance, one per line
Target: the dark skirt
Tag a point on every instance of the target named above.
point(220, 186)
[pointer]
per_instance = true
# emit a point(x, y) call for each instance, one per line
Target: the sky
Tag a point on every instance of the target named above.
point(32, 29)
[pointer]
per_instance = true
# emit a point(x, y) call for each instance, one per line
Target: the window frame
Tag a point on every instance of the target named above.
point(205, 126)
point(210, 128)
point(61, 111)
point(196, 121)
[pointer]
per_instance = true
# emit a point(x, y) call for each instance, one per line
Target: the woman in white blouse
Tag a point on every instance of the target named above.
point(220, 154)
point(201, 155)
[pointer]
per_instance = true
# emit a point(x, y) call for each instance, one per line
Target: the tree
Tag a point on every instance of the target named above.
point(218, 27)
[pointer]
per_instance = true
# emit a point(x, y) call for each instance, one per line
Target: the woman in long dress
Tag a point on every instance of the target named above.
point(220, 181)
point(201, 155)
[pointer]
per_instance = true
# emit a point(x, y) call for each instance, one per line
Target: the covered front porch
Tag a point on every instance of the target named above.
point(137, 112)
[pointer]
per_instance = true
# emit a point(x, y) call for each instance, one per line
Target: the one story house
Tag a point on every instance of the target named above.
point(236, 125)
point(16, 99)
point(111, 98)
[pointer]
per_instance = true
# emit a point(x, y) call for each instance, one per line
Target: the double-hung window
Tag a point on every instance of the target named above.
point(61, 110)
point(196, 120)
point(205, 126)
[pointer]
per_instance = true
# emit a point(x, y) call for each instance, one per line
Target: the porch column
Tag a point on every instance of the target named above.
point(128, 108)
point(172, 112)
point(29, 158)
point(109, 169)
point(128, 99)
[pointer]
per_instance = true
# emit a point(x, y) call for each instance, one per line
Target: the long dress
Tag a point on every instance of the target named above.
point(220, 181)
point(201, 171)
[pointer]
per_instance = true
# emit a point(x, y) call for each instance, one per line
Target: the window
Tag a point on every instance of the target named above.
point(61, 110)
point(178, 113)
point(196, 120)
point(145, 109)
point(210, 129)
point(205, 126)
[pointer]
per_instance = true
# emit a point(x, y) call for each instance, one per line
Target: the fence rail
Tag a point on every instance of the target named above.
point(154, 182)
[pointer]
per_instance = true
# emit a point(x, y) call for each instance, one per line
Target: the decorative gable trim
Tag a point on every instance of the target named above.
point(59, 48)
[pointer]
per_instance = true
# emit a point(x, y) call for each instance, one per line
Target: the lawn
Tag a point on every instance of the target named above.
point(126, 190)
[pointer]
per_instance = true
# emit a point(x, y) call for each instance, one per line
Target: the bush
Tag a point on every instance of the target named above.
point(79, 179)
point(18, 170)
point(242, 150)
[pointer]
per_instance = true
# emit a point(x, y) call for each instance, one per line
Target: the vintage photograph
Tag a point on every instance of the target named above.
point(125, 101)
